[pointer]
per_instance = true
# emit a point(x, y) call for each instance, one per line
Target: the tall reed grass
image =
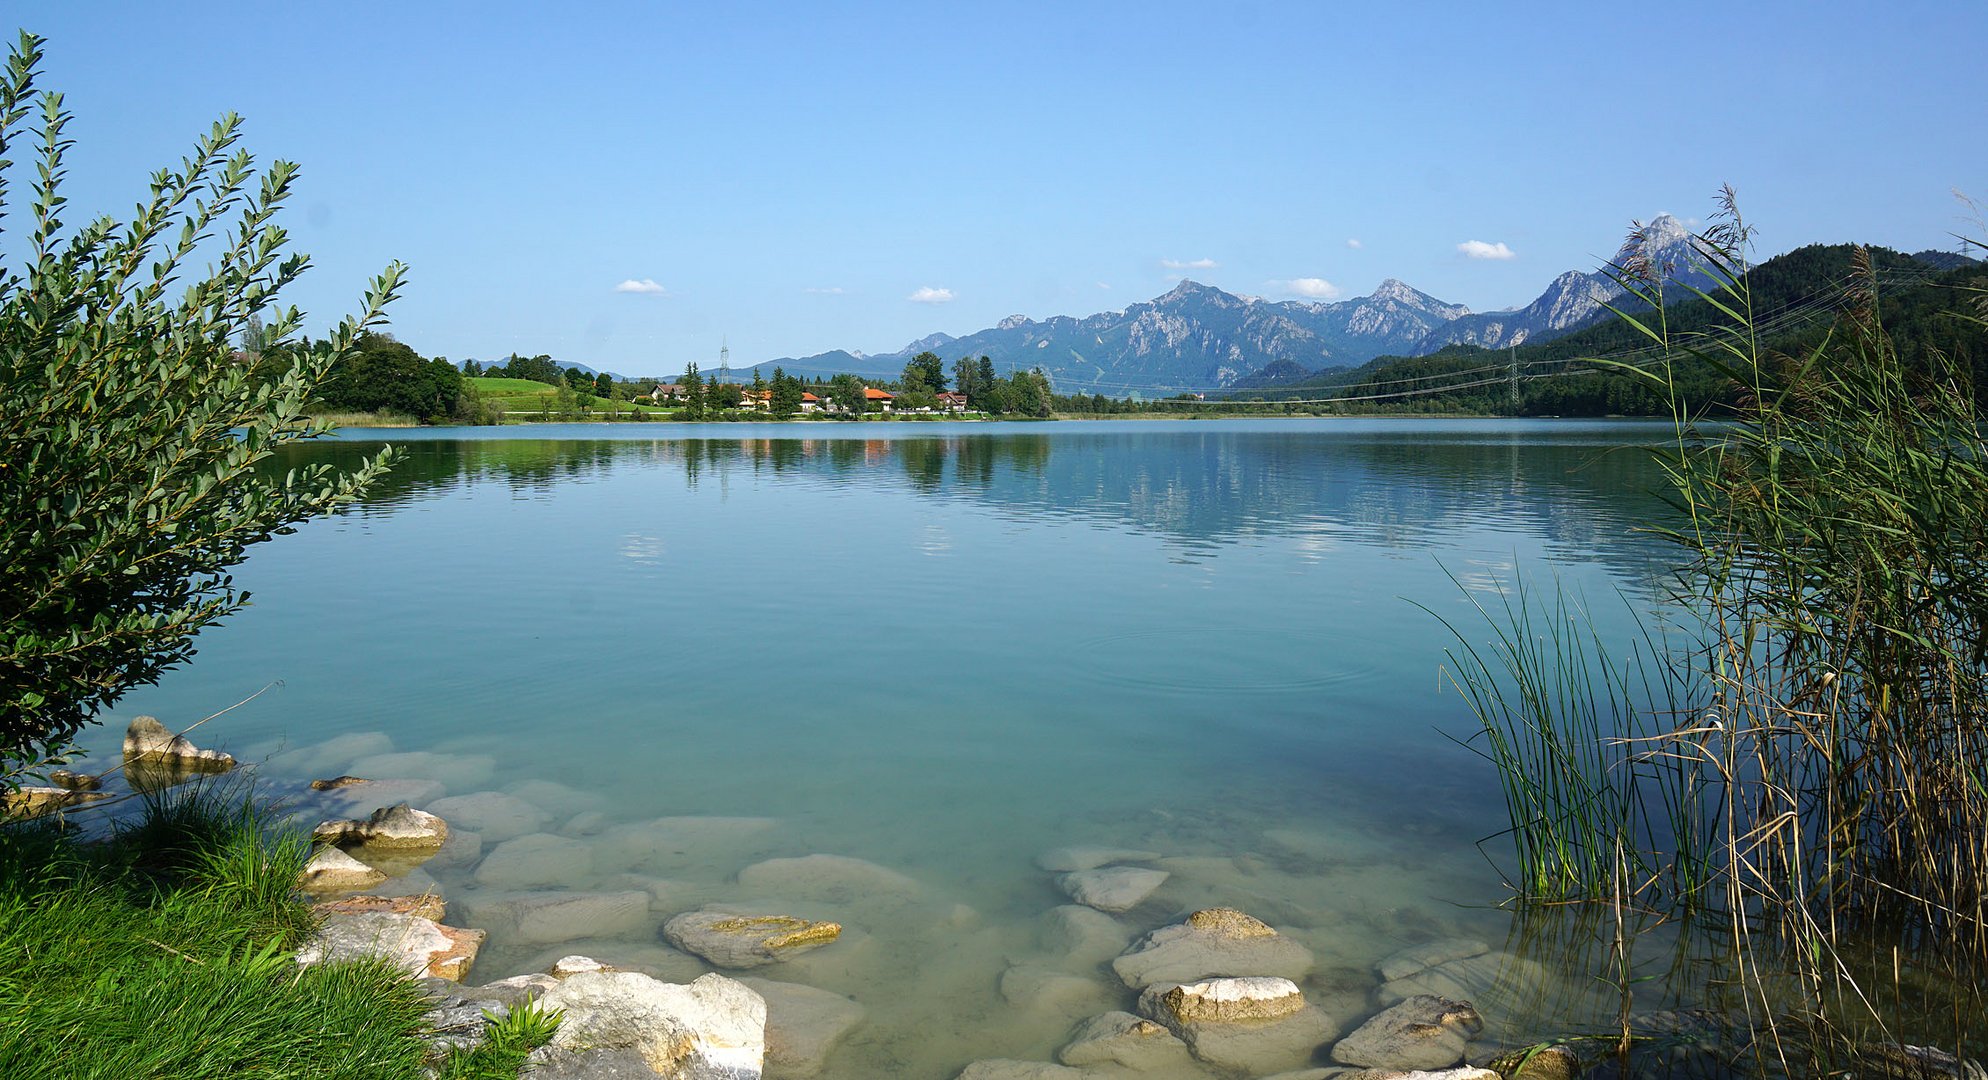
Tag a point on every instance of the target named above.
point(1809, 764)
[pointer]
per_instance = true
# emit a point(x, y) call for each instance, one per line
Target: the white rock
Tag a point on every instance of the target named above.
point(1112, 888)
point(535, 859)
point(803, 1024)
point(495, 816)
point(1221, 1001)
point(714, 1027)
point(1065, 859)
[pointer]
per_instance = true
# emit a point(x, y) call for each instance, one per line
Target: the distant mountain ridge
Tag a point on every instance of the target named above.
point(1199, 338)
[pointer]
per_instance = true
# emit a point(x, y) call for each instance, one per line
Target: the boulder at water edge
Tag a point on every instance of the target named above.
point(731, 940)
point(390, 828)
point(332, 870)
point(418, 946)
point(1213, 941)
point(712, 1028)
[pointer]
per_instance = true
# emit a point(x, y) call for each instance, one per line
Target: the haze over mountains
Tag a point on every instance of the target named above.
point(1199, 338)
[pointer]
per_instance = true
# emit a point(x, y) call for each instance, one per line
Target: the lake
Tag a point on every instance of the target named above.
point(938, 651)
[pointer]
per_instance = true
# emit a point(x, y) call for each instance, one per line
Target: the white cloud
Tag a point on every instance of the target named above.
point(644, 287)
point(1104, 285)
point(1478, 249)
point(832, 290)
point(1354, 243)
point(1311, 288)
point(1191, 264)
point(929, 295)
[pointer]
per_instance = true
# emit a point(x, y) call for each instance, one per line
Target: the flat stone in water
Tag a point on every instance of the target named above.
point(1120, 1038)
point(544, 918)
point(803, 1023)
point(1112, 888)
point(1212, 942)
point(1010, 1069)
point(455, 770)
point(729, 939)
point(495, 816)
point(1068, 859)
point(835, 879)
point(1033, 986)
point(1432, 954)
point(535, 859)
point(1082, 934)
point(1423, 1032)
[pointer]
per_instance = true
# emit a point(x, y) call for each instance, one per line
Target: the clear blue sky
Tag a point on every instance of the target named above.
point(799, 178)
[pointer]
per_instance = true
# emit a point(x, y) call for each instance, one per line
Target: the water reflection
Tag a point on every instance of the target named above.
point(1203, 489)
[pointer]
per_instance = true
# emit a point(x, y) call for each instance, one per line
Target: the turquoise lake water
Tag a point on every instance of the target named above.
point(941, 649)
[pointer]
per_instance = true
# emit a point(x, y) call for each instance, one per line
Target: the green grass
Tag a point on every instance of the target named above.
point(168, 950)
point(509, 387)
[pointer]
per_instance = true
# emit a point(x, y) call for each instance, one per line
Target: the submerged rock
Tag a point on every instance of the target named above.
point(803, 1023)
point(1010, 1069)
point(551, 917)
point(732, 940)
point(533, 860)
point(1112, 888)
point(714, 1027)
point(454, 770)
point(336, 782)
point(1083, 935)
point(1420, 958)
point(835, 879)
point(1067, 859)
point(1422, 1032)
point(1120, 1038)
point(1033, 986)
point(1211, 942)
point(495, 816)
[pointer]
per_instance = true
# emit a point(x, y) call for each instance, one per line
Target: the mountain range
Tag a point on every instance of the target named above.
point(1199, 338)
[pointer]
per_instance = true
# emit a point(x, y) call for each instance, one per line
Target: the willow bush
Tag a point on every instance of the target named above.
point(131, 431)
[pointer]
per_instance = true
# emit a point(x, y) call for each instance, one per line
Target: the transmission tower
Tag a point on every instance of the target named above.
point(724, 361)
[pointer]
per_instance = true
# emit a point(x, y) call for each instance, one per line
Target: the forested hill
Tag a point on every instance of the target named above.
point(1795, 297)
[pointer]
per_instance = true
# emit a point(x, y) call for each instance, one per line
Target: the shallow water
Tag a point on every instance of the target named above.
point(943, 650)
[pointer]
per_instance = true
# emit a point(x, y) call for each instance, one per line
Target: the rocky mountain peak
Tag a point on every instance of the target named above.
point(1012, 322)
